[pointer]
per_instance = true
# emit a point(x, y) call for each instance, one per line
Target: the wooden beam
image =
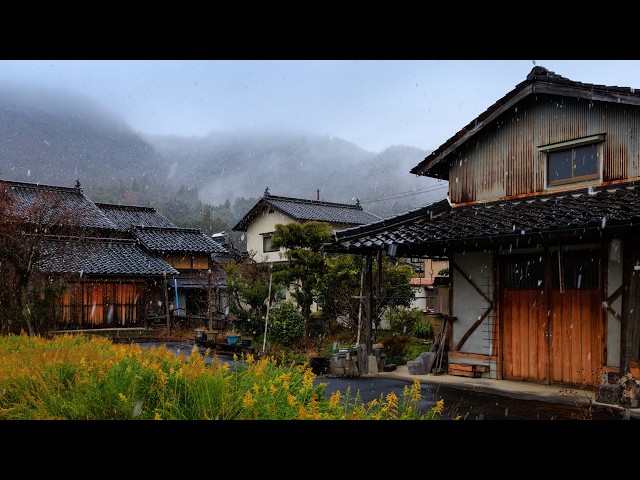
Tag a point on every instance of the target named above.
point(475, 325)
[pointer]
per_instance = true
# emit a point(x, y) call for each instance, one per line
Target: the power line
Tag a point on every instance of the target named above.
point(408, 193)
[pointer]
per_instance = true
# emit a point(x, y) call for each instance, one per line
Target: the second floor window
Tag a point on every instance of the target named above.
point(574, 165)
point(574, 161)
point(267, 245)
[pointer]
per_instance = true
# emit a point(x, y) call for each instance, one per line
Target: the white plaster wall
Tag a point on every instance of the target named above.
point(265, 223)
point(614, 280)
point(420, 300)
point(468, 305)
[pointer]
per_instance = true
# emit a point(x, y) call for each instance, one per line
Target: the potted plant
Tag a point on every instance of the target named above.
point(232, 337)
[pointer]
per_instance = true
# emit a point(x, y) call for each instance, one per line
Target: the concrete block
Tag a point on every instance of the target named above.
point(372, 364)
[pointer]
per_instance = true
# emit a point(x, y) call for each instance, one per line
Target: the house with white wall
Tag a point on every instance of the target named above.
point(259, 223)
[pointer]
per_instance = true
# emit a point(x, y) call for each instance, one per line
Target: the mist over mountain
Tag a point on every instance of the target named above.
point(57, 138)
point(49, 136)
point(244, 164)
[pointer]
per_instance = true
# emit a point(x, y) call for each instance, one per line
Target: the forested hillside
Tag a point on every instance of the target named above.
point(57, 138)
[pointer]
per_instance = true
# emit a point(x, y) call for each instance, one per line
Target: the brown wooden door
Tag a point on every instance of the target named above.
point(552, 331)
point(523, 313)
point(577, 320)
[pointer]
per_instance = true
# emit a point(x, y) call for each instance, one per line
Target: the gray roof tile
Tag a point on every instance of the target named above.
point(100, 256)
point(125, 216)
point(309, 210)
point(67, 204)
point(433, 228)
point(184, 240)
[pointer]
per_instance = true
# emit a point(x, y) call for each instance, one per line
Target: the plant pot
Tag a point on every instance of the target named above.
point(212, 336)
point(233, 339)
point(634, 368)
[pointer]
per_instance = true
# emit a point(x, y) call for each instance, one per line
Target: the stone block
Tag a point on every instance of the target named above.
point(609, 393)
point(428, 358)
point(416, 367)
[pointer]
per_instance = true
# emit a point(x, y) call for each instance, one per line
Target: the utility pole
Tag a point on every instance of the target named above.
point(209, 317)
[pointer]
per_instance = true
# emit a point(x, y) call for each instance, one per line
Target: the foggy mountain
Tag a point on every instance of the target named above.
point(58, 138)
point(244, 164)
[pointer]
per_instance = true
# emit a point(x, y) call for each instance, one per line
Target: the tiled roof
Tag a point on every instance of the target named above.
point(99, 256)
point(538, 82)
point(183, 240)
point(67, 205)
point(309, 210)
point(124, 216)
point(591, 211)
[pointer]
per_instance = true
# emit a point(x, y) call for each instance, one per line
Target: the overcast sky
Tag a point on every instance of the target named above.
point(372, 103)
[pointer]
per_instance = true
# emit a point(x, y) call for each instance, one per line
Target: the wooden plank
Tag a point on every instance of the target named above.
point(461, 366)
point(507, 328)
point(463, 373)
point(542, 351)
point(469, 367)
point(454, 356)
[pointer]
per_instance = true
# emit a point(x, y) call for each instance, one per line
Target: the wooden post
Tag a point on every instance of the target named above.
point(369, 304)
point(166, 302)
point(209, 317)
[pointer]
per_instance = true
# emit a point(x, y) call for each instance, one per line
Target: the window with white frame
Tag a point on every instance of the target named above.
point(574, 161)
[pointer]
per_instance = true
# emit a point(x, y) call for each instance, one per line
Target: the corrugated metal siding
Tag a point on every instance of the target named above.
point(503, 161)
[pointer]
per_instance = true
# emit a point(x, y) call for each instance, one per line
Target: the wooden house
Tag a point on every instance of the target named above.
point(120, 264)
point(110, 280)
point(196, 256)
point(540, 228)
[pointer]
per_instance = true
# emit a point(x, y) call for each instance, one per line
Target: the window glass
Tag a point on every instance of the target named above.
point(574, 164)
point(267, 245)
point(559, 166)
point(585, 161)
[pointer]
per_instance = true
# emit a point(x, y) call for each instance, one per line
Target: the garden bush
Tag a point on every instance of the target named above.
point(286, 324)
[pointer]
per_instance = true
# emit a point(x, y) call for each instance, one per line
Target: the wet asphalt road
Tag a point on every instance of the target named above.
point(466, 404)
point(458, 403)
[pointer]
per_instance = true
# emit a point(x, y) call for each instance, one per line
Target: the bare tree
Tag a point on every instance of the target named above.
point(24, 227)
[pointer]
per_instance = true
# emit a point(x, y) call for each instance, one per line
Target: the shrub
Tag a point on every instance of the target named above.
point(423, 331)
point(396, 346)
point(286, 324)
point(404, 320)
